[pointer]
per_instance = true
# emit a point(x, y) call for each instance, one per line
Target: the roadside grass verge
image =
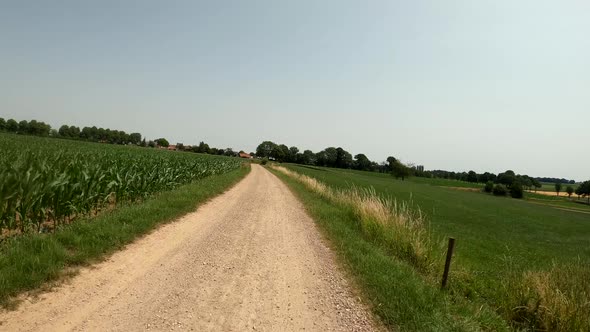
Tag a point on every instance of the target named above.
point(30, 261)
point(395, 274)
point(398, 227)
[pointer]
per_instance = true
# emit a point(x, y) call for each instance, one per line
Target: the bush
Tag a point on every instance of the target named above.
point(489, 187)
point(500, 190)
point(516, 190)
point(264, 161)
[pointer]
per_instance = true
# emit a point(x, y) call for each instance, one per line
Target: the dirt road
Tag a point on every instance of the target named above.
point(249, 260)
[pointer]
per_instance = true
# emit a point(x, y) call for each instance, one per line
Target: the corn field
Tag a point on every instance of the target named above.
point(48, 182)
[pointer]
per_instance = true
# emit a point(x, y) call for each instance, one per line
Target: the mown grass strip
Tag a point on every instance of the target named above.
point(398, 294)
point(30, 261)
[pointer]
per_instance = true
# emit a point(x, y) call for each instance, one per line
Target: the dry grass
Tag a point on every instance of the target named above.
point(555, 300)
point(399, 227)
point(465, 189)
point(550, 193)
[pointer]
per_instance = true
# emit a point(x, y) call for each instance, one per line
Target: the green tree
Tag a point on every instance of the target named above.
point(64, 131)
point(400, 170)
point(135, 138)
point(38, 128)
point(293, 151)
point(162, 142)
point(516, 190)
point(307, 158)
point(472, 177)
point(321, 158)
point(361, 162)
point(330, 155)
point(527, 182)
point(229, 152)
point(506, 178)
point(500, 190)
point(569, 190)
point(265, 149)
point(280, 152)
point(489, 187)
point(343, 158)
point(391, 160)
point(23, 127)
point(74, 132)
point(203, 148)
point(86, 134)
point(2, 124)
point(557, 187)
point(584, 190)
point(12, 125)
point(487, 176)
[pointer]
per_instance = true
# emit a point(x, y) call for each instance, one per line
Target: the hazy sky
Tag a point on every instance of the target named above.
point(456, 85)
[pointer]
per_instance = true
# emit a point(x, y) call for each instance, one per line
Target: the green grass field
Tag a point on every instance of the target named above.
point(498, 238)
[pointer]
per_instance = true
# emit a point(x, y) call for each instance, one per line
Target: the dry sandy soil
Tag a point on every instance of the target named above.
point(550, 193)
point(249, 260)
point(463, 188)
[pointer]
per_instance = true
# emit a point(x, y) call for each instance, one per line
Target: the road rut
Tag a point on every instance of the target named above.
point(248, 260)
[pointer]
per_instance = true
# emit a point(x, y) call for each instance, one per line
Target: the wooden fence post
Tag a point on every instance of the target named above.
point(448, 263)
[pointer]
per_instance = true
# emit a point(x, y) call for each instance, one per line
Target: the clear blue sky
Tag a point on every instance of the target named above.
point(456, 85)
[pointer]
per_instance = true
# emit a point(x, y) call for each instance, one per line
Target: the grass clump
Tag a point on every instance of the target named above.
point(489, 187)
point(554, 300)
point(499, 190)
point(516, 190)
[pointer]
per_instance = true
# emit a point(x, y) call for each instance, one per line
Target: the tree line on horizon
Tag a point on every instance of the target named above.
point(331, 157)
point(93, 134)
point(501, 184)
point(472, 176)
point(101, 135)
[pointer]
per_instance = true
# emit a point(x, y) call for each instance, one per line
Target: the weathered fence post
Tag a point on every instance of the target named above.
point(448, 263)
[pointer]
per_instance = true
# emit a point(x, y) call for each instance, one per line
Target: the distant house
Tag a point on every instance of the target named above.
point(172, 147)
point(245, 155)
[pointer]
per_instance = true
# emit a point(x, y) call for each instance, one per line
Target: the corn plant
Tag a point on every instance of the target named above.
point(47, 182)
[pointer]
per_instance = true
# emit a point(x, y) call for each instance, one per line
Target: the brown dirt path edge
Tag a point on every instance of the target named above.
point(249, 260)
